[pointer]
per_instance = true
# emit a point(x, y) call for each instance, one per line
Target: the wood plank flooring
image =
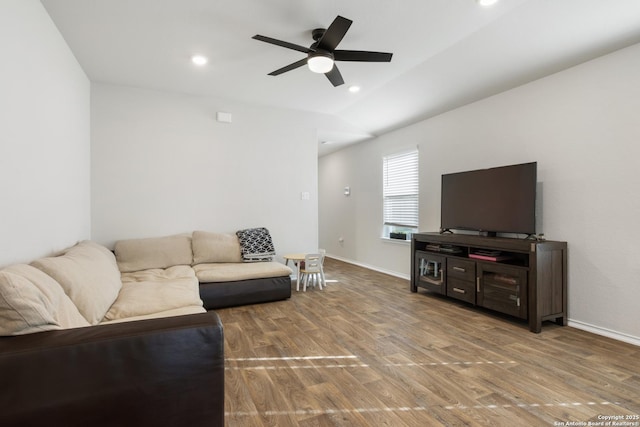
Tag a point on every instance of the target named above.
point(366, 351)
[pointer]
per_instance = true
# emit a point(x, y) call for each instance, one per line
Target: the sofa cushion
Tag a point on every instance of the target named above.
point(156, 290)
point(154, 252)
point(215, 247)
point(256, 244)
point(89, 275)
point(231, 272)
point(191, 309)
point(31, 301)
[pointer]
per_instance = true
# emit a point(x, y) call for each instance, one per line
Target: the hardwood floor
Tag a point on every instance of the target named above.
point(366, 351)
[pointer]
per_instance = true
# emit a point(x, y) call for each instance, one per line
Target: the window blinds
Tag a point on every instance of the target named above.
point(400, 189)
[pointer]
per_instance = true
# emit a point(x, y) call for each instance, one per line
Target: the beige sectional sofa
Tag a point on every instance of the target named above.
point(98, 337)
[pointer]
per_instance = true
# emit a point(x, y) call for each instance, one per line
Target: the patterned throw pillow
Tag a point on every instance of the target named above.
point(256, 244)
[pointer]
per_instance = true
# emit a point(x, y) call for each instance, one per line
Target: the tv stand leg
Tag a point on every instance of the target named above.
point(535, 325)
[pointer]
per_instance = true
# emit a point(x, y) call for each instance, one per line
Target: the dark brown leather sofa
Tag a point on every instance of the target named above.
point(159, 372)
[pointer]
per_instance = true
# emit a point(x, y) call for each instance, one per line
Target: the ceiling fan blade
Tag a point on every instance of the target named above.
point(361, 55)
point(281, 43)
point(289, 67)
point(334, 76)
point(334, 33)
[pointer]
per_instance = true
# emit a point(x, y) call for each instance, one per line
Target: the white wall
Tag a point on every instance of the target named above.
point(581, 126)
point(162, 164)
point(44, 137)
point(357, 219)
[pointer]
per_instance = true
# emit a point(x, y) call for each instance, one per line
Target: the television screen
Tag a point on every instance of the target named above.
point(496, 200)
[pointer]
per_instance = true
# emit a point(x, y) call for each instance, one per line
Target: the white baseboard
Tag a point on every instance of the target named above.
point(573, 323)
point(604, 332)
point(371, 267)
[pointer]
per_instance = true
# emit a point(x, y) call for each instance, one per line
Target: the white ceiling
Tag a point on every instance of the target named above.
point(447, 53)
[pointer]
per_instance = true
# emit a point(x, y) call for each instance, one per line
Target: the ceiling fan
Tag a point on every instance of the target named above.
point(322, 53)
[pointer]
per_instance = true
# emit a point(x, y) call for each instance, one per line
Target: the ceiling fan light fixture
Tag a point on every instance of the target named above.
point(320, 62)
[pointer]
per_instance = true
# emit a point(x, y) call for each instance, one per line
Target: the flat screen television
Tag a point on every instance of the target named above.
point(490, 201)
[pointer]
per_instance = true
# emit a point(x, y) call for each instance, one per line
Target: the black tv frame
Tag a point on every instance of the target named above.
point(490, 201)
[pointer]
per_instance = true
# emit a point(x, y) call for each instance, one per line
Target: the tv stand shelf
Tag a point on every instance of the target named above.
point(526, 279)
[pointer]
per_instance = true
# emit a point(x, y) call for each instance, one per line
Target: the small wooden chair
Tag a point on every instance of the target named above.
point(312, 269)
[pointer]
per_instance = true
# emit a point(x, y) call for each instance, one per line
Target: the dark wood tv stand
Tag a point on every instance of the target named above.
point(523, 278)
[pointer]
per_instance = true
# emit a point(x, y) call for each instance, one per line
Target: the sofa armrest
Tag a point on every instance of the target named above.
point(159, 372)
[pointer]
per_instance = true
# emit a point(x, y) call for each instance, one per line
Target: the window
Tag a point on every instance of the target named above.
point(400, 192)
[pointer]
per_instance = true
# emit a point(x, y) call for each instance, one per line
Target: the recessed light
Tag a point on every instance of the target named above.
point(199, 59)
point(487, 3)
point(354, 89)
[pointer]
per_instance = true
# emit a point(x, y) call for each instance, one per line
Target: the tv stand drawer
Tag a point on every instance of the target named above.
point(461, 289)
point(461, 269)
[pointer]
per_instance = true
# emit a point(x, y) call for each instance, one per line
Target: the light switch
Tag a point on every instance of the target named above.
point(305, 195)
